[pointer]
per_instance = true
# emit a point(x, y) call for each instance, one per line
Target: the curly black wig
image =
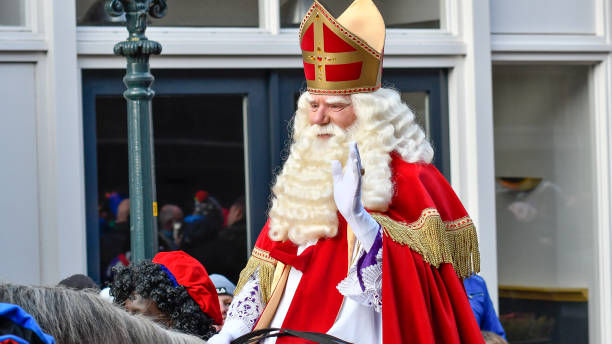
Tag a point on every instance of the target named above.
point(148, 280)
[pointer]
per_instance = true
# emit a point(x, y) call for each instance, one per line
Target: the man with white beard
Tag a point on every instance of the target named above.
point(371, 251)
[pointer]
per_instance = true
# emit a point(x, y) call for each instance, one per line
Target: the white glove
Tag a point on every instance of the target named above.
point(232, 329)
point(220, 338)
point(347, 194)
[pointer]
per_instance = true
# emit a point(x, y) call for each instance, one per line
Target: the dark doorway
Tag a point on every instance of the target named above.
point(199, 145)
point(221, 131)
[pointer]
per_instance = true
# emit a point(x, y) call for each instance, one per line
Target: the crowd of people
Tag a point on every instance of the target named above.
point(171, 298)
point(207, 233)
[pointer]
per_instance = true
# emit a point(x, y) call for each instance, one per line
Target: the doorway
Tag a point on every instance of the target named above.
point(219, 131)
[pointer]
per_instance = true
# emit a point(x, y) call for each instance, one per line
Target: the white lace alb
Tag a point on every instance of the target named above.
point(371, 275)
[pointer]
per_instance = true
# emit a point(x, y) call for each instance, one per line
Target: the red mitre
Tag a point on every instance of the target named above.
point(188, 272)
point(344, 55)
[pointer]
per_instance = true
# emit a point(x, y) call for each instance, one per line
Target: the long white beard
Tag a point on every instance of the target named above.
point(303, 208)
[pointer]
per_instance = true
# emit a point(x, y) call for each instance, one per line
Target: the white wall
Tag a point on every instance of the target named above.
point(19, 252)
point(60, 148)
point(41, 150)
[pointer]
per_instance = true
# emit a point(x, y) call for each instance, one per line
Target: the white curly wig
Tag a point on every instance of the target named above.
point(303, 207)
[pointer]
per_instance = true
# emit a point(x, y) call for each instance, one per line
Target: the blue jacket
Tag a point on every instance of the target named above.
point(479, 298)
point(20, 327)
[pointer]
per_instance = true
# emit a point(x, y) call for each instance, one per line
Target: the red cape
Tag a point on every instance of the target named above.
point(428, 240)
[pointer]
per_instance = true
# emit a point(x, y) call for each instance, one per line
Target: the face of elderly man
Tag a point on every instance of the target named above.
point(336, 110)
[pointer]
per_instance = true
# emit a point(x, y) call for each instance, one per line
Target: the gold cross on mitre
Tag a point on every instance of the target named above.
point(336, 59)
point(320, 60)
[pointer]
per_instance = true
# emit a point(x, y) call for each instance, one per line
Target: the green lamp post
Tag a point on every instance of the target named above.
point(138, 79)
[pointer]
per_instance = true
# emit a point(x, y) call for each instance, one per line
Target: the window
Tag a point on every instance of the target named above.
point(13, 13)
point(419, 104)
point(404, 14)
point(194, 13)
point(545, 202)
point(211, 133)
point(544, 17)
point(198, 146)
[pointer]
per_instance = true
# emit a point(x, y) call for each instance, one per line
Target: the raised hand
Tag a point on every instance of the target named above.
point(347, 195)
point(347, 185)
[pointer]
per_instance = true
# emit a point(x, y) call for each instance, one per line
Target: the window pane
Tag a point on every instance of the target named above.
point(199, 145)
point(545, 202)
point(407, 14)
point(12, 13)
point(199, 13)
point(419, 104)
point(529, 17)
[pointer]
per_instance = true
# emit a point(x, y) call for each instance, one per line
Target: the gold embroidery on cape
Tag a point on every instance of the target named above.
point(370, 77)
point(261, 260)
point(454, 242)
point(263, 255)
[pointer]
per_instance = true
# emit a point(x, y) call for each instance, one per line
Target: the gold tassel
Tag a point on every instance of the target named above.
point(465, 252)
point(438, 242)
point(266, 274)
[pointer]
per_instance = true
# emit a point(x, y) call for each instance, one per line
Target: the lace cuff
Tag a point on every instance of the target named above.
point(246, 306)
point(364, 281)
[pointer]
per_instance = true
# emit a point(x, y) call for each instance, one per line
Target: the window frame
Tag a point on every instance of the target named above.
point(30, 37)
point(98, 40)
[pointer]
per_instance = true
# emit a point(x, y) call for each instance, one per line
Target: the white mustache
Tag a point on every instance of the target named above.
point(328, 129)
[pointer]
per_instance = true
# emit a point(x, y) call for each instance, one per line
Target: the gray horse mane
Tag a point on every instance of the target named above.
point(74, 317)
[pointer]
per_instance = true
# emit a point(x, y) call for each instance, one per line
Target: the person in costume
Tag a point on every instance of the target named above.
point(366, 241)
point(173, 289)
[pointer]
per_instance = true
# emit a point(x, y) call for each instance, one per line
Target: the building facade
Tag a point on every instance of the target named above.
point(515, 95)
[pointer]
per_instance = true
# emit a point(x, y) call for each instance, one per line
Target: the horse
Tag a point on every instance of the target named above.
point(74, 317)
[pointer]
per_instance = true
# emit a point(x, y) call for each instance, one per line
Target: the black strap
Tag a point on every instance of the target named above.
point(316, 337)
